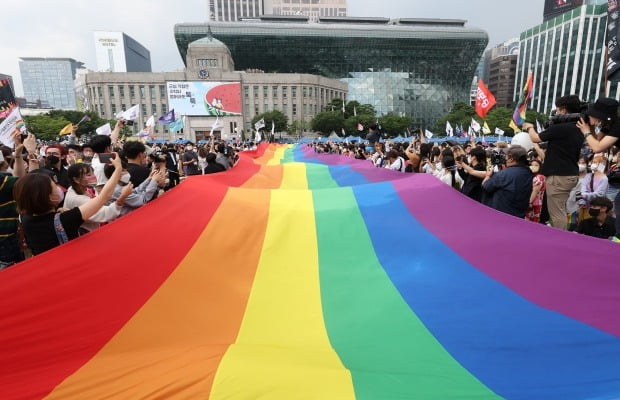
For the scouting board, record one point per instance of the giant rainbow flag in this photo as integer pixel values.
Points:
(303, 276)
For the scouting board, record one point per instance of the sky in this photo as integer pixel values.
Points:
(64, 28)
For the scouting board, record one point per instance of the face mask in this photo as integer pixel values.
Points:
(601, 168)
(597, 129)
(438, 165)
(534, 169)
(582, 168)
(53, 160)
(91, 181)
(594, 212)
(594, 166)
(125, 179)
(188, 149)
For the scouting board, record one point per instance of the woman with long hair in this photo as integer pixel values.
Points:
(37, 198)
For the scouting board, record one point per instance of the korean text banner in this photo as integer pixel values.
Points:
(297, 275)
(205, 98)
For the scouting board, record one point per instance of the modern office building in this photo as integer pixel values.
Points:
(567, 56)
(209, 88)
(313, 9)
(236, 10)
(119, 52)
(49, 81)
(10, 79)
(414, 67)
(501, 70)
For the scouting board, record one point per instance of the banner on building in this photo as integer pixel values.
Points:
(613, 59)
(553, 8)
(7, 99)
(205, 98)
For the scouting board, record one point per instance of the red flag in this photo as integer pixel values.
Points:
(484, 100)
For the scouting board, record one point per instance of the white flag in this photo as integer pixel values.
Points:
(130, 114)
(428, 133)
(354, 111)
(259, 124)
(12, 126)
(217, 124)
(257, 137)
(104, 130)
(499, 132)
(475, 125)
(449, 130)
(151, 121)
(273, 129)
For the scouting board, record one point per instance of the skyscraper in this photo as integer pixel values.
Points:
(235, 10)
(314, 9)
(566, 55)
(49, 80)
(119, 52)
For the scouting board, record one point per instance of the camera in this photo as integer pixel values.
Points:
(566, 118)
(127, 122)
(158, 157)
(498, 158)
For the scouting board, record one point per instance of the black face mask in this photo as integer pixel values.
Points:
(594, 212)
(52, 160)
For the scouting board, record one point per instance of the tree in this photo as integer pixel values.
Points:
(461, 114)
(327, 122)
(394, 124)
(350, 124)
(276, 116)
(47, 126)
(298, 127)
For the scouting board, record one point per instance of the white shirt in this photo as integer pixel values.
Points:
(98, 170)
(105, 213)
(397, 165)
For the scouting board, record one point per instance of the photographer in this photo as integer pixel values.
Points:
(135, 152)
(564, 143)
(509, 190)
(602, 120)
(473, 173)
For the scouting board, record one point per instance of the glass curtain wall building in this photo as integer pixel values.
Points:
(567, 56)
(49, 81)
(414, 67)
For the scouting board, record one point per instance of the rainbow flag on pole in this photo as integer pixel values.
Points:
(526, 95)
(298, 275)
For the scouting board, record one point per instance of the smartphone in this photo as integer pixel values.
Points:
(105, 158)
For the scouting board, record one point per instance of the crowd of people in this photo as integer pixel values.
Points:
(568, 179)
(53, 193)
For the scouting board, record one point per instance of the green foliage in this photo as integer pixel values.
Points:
(47, 126)
(298, 127)
(350, 124)
(394, 124)
(497, 117)
(278, 117)
(461, 114)
(327, 122)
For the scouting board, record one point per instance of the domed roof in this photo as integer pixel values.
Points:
(207, 41)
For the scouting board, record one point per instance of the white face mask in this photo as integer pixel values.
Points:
(125, 178)
(582, 167)
(601, 167)
(594, 167)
